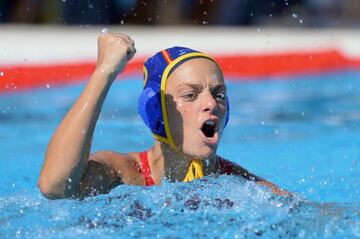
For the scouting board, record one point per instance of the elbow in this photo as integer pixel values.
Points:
(49, 190)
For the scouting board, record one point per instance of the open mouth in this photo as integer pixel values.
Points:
(208, 128)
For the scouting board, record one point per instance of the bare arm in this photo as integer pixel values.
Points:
(68, 151)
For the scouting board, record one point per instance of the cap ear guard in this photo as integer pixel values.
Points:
(149, 106)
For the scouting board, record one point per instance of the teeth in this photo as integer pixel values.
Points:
(210, 123)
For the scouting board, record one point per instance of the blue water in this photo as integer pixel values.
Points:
(302, 133)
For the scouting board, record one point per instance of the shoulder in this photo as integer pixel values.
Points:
(125, 166)
(109, 157)
(230, 168)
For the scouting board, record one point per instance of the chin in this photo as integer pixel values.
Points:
(203, 152)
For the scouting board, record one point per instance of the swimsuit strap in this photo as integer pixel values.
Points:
(145, 168)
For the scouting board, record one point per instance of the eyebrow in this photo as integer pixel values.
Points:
(194, 86)
(198, 87)
(220, 87)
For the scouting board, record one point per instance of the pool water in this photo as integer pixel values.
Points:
(300, 132)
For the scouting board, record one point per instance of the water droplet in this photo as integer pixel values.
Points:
(301, 21)
(47, 86)
(2, 73)
(251, 14)
(63, 0)
(294, 15)
(204, 22)
(258, 29)
(205, 13)
(91, 6)
(105, 30)
(149, 19)
(122, 22)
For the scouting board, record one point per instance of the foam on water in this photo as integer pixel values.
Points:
(224, 206)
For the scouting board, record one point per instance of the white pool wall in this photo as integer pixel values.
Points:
(31, 44)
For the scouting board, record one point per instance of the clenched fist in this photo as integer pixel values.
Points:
(114, 52)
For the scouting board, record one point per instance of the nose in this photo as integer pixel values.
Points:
(209, 103)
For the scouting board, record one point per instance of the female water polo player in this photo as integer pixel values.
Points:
(184, 103)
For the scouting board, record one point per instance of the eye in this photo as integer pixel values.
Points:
(220, 96)
(190, 96)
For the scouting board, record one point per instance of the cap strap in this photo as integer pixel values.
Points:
(195, 170)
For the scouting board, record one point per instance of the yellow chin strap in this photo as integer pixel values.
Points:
(195, 170)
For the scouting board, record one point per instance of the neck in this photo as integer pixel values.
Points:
(173, 165)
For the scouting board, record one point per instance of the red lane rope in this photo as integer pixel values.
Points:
(21, 77)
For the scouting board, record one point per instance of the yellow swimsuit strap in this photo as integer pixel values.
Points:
(195, 170)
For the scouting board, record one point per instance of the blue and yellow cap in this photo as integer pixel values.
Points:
(152, 104)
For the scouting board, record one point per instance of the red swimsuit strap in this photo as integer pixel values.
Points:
(145, 168)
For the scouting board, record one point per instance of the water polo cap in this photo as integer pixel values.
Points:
(152, 105)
